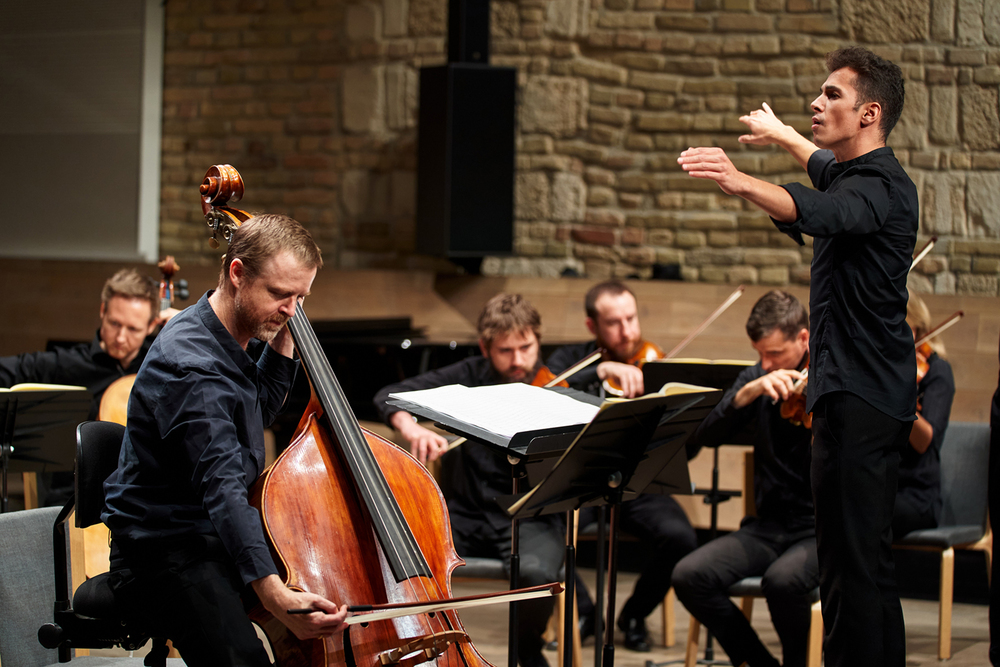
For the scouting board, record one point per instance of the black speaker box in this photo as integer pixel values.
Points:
(465, 160)
(469, 31)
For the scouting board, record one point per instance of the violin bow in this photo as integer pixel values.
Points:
(572, 370)
(708, 320)
(923, 252)
(951, 321)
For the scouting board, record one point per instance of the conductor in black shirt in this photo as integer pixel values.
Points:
(863, 220)
(509, 329)
(779, 543)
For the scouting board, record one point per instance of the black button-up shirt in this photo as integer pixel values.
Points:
(195, 439)
(85, 365)
(863, 219)
(782, 490)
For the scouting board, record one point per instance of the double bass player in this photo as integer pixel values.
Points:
(187, 545)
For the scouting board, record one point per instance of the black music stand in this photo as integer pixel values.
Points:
(39, 429)
(530, 454)
(613, 459)
(709, 373)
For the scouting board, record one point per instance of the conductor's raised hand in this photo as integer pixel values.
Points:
(765, 128)
(714, 164)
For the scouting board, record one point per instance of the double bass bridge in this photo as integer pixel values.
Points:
(426, 648)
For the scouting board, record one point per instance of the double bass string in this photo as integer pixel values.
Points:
(325, 384)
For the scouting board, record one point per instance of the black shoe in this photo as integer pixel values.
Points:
(532, 659)
(636, 637)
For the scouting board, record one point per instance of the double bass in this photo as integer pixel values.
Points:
(352, 517)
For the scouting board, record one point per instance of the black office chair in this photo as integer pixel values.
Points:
(91, 618)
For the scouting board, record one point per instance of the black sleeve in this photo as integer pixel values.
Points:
(566, 356)
(463, 372)
(937, 391)
(30, 367)
(724, 420)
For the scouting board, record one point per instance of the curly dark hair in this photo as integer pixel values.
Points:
(777, 310)
(876, 80)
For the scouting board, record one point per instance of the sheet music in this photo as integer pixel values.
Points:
(504, 409)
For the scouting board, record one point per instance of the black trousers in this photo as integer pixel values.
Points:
(659, 522)
(994, 491)
(908, 516)
(855, 462)
(789, 568)
(541, 549)
(189, 592)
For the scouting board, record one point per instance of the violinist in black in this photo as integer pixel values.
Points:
(918, 500)
(779, 543)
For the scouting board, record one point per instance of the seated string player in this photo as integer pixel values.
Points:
(656, 520)
(129, 313)
(918, 499)
(779, 544)
(509, 332)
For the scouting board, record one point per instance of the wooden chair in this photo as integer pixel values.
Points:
(750, 588)
(964, 522)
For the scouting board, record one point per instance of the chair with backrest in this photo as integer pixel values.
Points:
(90, 618)
(964, 522)
(750, 588)
(27, 591)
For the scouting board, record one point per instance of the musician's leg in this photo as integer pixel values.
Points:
(192, 596)
(787, 585)
(702, 580)
(855, 461)
(660, 523)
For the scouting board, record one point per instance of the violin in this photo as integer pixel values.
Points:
(114, 400)
(793, 408)
(544, 376)
(352, 517)
(648, 351)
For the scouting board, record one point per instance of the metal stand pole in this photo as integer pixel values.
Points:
(570, 601)
(515, 570)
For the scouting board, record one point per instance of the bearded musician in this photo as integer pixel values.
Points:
(657, 520)
(509, 331)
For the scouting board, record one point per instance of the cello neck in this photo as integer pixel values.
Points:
(398, 542)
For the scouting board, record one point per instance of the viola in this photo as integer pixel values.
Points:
(648, 351)
(544, 376)
(114, 400)
(352, 517)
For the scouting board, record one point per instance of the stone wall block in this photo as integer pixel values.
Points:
(600, 71)
(531, 196)
(943, 203)
(976, 284)
(991, 22)
(633, 236)
(505, 20)
(551, 105)
(402, 88)
(715, 256)
(601, 196)
(944, 283)
(986, 265)
(604, 216)
(983, 203)
(354, 192)
(741, 22)
(660, 237)
(601, 237)
(979, 117)
(969, 24)
(363, 22)
(402, 193)
(943, 122)
(662, 83)
(395, 17)
(708, 221)
(669, 256)
(943, 20)
(689, 239)
(773, 275)
(911, 130)
(887, 23)
(428, 17)
(742, 275)
(640, 256)
(723, 239)
(363, 99)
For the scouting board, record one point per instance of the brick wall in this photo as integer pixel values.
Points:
(315, 103)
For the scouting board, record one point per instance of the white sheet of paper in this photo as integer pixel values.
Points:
(504, 409)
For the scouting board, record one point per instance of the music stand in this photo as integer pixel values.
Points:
(39, 429)
(612, 460)
(530, 454)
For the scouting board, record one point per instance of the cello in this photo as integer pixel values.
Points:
(350, 516)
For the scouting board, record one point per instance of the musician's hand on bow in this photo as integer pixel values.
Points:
(327, 618)
(765, 128)
(425, 445)
(626, 376)
(776, 385)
